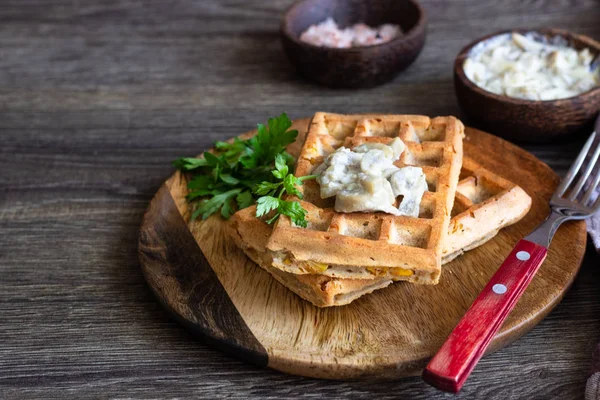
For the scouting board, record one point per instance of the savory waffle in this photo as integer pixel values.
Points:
(484, 203)
(352, 245)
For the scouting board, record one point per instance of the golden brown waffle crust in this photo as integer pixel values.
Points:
(484, 203)
(506, 204)
(389, 243)
(249, 234)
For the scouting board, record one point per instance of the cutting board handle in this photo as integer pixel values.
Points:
(453, 363)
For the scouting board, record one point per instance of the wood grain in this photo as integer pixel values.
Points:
(389, 334)
(184, 281)
(97, 98)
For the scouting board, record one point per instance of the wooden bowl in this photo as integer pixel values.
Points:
(527, 120)
(358, 66)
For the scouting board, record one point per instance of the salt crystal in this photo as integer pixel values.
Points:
(328, 34)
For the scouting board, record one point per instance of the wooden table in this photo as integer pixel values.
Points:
(96, 99)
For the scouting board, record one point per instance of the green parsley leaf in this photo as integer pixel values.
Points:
(199, 193)
(237, 145)
(266, 204)
(244, 199)
(289, 183)
(227, 208)
(216, 172)
(209, 207)
(281, 168)
(266, 188)
(200, 182)
(270, 141)
(231, 151)
(281, 164)
(227, 178)
(188, 164)
(222, 146)
(295, 211)
(278, 127)
(211, 159)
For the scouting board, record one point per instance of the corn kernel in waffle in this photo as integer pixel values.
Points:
(484, 203)
(347, 245)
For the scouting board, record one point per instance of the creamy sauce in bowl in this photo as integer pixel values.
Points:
(529, 67)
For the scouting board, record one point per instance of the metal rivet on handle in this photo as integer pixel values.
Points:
(523, 255)
(499, 288)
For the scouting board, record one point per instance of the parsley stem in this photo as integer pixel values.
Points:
(307, 177)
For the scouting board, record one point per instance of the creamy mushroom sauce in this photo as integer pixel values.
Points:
(525, 67)
(366, 179)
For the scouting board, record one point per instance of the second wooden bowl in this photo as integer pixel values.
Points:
(527, 120)
(354, 67)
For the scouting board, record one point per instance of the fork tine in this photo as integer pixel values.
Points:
(593, 187)
(585, 175)
(575, 167)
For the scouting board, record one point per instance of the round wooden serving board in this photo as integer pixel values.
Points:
(210, 285)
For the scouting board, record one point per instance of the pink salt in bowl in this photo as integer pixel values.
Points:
(354, 67)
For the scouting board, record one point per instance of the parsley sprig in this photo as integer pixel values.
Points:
(239, 172)
(272, 192)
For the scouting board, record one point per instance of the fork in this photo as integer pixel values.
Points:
(572, 200)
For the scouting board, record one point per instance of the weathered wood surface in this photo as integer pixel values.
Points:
(96, 98)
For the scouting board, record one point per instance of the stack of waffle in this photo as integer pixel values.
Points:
(342, 256)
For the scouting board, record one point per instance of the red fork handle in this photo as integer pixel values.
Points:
(452, 364)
